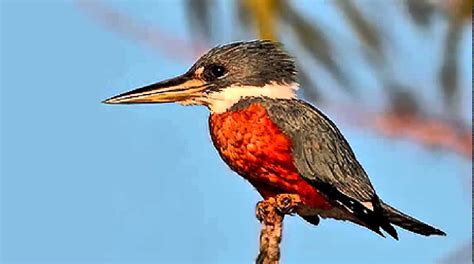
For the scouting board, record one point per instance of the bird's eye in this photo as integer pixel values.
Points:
(217, 70)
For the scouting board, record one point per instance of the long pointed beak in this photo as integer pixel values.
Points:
(173, 90)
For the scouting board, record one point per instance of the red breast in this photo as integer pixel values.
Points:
(253, 146)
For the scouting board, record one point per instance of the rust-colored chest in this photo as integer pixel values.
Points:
(253, 146)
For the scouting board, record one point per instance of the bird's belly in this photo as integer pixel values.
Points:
(253, 146)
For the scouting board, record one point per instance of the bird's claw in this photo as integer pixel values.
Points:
(264, 208)
(281, 204)
(287, 203)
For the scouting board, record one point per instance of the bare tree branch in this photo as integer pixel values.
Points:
(271, 213)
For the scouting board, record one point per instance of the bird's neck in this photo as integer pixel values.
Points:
(222, 101)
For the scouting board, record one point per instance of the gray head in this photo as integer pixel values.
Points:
(223, 76)
(252, 63)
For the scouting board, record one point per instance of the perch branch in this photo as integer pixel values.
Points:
(270, 213)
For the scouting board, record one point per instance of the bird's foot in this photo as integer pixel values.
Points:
(276, 207)
(287, 203)
(265, 210)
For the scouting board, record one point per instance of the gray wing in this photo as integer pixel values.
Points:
(326, 161)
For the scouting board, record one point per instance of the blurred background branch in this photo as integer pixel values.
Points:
(403, 117)
(402, 110)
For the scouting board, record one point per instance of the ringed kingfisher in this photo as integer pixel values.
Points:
(280, 144)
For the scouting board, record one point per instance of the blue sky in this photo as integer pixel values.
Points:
(85, 182)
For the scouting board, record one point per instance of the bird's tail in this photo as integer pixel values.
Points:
(407, 222)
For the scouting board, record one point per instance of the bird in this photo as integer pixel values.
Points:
(279, 143)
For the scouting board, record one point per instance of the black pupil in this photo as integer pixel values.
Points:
(217, 70)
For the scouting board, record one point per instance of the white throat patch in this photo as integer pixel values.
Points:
(219, 102)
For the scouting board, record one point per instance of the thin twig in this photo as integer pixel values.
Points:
(270, 235)
(271, 213)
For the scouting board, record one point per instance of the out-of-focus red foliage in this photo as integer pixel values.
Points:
(431, 133)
